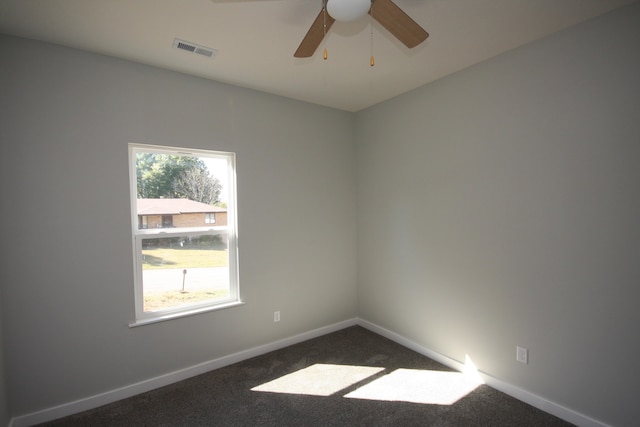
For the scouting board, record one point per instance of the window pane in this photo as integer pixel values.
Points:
(184, 270)
(184, 230)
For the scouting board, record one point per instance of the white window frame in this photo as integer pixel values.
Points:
(210, 218)
(142, 317)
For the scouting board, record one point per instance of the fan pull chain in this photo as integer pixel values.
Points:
(372, 61)
(324, 27)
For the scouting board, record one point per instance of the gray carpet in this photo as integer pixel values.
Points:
(224, 397)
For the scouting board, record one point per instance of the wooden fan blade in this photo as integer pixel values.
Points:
(314, 36)
(398, 23)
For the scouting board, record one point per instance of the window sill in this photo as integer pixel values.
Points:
(185, 313)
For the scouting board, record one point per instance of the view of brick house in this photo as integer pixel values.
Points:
(168, 213)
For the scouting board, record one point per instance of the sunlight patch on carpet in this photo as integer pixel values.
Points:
(417, 386)
(401, 385)
(319, 379)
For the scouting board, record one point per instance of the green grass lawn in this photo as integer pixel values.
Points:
(159, 258)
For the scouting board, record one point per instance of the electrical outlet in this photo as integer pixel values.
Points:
(522, 355)
(276, 316)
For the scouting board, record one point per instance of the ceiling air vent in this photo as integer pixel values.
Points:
(194, 48)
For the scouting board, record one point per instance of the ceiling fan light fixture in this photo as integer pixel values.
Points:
(348, 10)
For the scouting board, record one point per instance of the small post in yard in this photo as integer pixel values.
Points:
(184, 275)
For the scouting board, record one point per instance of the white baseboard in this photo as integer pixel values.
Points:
(182, 374)
(520, 394)
(166, 379)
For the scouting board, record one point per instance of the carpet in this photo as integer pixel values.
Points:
(352, 377)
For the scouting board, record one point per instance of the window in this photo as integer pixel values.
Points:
(182, 265)
(167, 221)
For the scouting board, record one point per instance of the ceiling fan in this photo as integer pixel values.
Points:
(386, 12)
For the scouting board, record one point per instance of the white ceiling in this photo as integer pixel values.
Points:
(256, 39)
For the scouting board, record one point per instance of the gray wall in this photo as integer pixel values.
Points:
(500, 206)
(4, 210)
(4, 410)
(68, 291)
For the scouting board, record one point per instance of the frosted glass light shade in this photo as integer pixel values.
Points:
(348, 10)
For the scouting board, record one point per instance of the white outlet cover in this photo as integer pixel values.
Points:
(522, 354)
